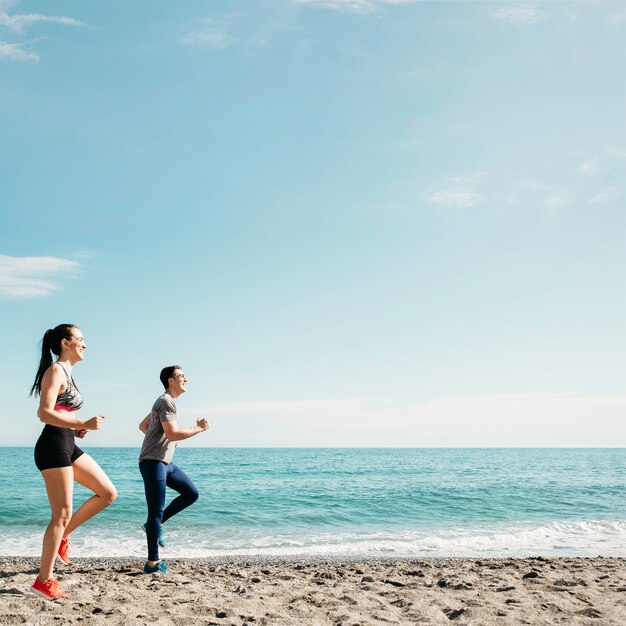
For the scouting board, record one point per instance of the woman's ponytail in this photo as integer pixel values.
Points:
(50, 344)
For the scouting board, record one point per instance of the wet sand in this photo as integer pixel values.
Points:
(260, 592)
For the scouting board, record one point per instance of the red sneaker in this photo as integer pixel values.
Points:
(64, 551)
(50, 589)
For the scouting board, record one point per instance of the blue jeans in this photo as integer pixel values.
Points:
(156, 476)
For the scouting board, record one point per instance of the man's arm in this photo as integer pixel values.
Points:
(143, 425)
(174, 433)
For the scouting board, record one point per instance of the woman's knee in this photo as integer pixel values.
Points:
(193, 494)
(62, 517)
(109, 495)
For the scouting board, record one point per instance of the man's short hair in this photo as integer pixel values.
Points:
(167, 373)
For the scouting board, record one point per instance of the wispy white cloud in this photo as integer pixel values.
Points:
(349, 6)
(19, 22)
(619, 18)
(558, 200)
(459, 192)
(533, 185)
(209, 35)
(603, 161)
(617, 153)
(531, 420)
(455, 198)
(354, 6)
(520, 14)
(589, 167)
(603, 196)
(15, 52)
(470, 179)
(23, 278)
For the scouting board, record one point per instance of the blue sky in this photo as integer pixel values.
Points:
(354, 223)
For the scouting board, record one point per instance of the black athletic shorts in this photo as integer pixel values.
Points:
(56, 448)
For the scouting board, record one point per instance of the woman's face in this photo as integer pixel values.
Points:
(75, 347)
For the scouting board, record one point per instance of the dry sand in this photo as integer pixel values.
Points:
(486, 592)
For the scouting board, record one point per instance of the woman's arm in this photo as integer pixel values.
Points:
(51, 384)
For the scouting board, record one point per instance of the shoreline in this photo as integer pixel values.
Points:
(262, 559)
(263, 591)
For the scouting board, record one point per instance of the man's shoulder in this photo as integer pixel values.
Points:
(165, 401)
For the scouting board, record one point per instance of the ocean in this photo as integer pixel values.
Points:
(347, 503)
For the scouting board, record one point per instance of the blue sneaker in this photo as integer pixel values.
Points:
(161, 542)
(153, 569)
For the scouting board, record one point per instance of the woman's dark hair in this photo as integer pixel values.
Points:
(51, 343)
(167, 373)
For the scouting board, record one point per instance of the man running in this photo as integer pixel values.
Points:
(161, 432)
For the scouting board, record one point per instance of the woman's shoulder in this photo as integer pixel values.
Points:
(54, 375)
(55, 370)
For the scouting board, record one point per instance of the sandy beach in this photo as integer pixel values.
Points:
(335, 592)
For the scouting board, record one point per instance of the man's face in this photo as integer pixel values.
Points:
(178, 382)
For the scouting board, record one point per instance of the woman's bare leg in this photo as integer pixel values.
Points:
(89, 474)
(59, 486)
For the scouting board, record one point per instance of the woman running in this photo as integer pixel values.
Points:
(58, 458)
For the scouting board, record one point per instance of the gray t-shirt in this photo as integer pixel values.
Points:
(156, 446)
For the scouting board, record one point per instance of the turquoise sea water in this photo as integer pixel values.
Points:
(319, 502)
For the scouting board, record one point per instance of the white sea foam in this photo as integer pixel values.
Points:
(582, 538)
